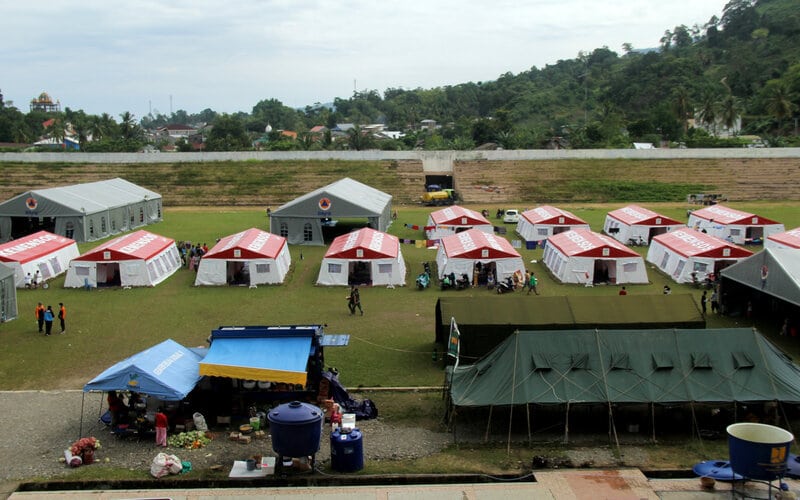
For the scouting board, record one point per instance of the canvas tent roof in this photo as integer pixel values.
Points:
(458, 216)
(274, 354)
(484, 322)
(691, 243)
(168, 371)
(139, 245)
(80, 199)
(725, 215)
(783, 279)
(547, 214)
(790, 239)
(636, 215)
(365, 243)
(32, 247)
(585, 243)
(477, 245)
(249, 244)
(354, 199)
(628, 366)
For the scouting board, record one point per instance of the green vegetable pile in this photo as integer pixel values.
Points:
(190, 440)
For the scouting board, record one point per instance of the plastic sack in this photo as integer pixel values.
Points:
(164, 464)
(200, 422)
(72, 460)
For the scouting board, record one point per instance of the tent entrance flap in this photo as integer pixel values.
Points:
(108, 274)
(359, 273)
(237, 272)
(605, 271)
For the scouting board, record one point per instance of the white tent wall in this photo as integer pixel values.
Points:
(49, 266)
(266, 271)
(624, 233)
(680, 267)
(539, 232)
(505, 266)
(734, 233)
(581, 270)
(131, 272)
(384, 272)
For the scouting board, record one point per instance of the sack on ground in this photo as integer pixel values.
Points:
(164, 464)
(200, 422)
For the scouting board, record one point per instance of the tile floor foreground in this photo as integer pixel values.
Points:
(622, 484)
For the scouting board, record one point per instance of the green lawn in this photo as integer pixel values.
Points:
(390, 345)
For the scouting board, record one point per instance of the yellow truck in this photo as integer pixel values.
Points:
(441, 197)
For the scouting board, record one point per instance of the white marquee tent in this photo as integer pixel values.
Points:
(251, 257)
(685, 251)
(459, 253)
(542, 222)
(363, 257)
(582, 256)
(733, 225)
(140, 258)
(455, 219)
(45, 252)
(635, 224)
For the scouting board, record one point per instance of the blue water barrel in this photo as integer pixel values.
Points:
(759, 451)
(347, 450)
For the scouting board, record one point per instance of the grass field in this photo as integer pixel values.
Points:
(390, 346)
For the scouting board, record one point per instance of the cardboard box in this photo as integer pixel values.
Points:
(245, 439)
(234, 436)
(268, 465)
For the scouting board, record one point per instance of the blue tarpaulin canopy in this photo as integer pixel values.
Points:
(275, 354)
(167, 371)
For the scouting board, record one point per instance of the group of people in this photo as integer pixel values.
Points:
(33, 281)
(45, 317)
(354, 300)
(191, 254)
(123, 413)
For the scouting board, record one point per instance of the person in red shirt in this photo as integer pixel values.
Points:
(62, 316)
(623, 291)
(161, 428)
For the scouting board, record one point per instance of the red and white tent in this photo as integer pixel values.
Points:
(582, 256)
(455, 219)
(459, 253)
(789, 239)
(733, 225)
(363, 257)
(251, 257)
(541, 223)
(140, 258)
(685, 251)
(45, 252)
(637, 225)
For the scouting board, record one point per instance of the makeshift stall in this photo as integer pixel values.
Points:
(165, 372)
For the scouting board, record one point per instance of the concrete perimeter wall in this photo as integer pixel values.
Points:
(432, 161)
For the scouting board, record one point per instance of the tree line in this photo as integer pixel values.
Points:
(742, 67)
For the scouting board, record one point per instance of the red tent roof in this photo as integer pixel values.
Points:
(249, 244)
(585, 243)
(551, 215)
(789, 238)
(691, 243)
(458, 216)
(139, 245)
(365, 243)
(477, 244)
(32, 247)
(725, 215)
(634, 215)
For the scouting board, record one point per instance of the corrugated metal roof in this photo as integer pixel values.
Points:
(97, 196)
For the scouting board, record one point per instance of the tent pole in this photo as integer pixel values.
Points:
(566, 426)
(613, 428)
(653, 420)
(508, 438)
(513, 389)
(786, 419)
(488, 424)
(528, 415)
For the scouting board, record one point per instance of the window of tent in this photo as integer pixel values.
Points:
(284, 230)
(334, 268)
(308, 234)
(262, 268)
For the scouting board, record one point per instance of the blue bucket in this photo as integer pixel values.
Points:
(759, 451)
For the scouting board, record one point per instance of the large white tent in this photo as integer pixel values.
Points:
(582, 256)
(83, 212)
(45, 252)
(455, 219)
(474, 251)
(251, 257)
(789, 239)
(637, 225)
(363, 257)
(733, 225)
(140, 258)
(685, 251)
(8, 294)
(542, 222)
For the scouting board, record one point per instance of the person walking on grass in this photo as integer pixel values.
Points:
(532, 282)
(354, 300)
(62, 316)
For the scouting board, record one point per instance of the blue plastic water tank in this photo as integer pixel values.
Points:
(347, 451)
(759, 451)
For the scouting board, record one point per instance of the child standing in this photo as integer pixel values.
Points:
(161, 428)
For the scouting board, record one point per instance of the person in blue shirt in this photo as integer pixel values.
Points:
(48, 320)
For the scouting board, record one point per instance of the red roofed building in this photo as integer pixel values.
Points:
(586, 257)
(733, 225)
(637, 225)
(363, 257)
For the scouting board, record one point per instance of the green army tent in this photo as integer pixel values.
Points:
(614, 368)
(484, 322)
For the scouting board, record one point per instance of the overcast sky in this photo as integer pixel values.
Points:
(161, 56)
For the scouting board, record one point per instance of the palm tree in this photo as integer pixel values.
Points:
(57, 130)
(780, 102)
(682, 105)
(708, 109)
(127, 126)
(730, 109)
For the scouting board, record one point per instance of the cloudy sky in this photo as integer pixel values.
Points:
(148, 55)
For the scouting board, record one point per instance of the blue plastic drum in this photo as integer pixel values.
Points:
(759, 451)
(347, 451)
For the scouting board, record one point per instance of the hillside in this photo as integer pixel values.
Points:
(272, 183)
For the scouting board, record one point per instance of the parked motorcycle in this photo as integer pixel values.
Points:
(505, 286)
